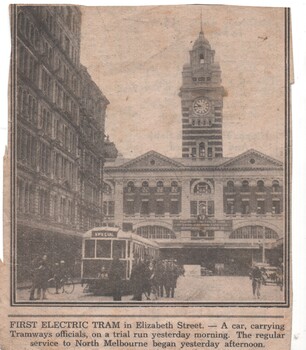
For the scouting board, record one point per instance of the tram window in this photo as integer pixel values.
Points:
(119, 249)
(89, 248)
(103, 248)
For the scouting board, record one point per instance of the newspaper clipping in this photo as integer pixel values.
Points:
(147, 179)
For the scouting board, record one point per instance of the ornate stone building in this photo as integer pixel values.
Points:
(202, 208)
(60, 137)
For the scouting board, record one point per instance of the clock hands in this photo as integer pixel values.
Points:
(201, 106)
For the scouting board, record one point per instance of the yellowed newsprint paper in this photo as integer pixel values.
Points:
(147, 179)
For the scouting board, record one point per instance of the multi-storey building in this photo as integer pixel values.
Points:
(60, 137)
(203, 207)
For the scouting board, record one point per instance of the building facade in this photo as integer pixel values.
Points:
(203, 208)
(60, 137)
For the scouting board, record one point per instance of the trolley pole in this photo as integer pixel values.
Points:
(263, 244)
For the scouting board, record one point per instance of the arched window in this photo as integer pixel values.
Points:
(160, 186)
(202, 150)
(230, 186)
(174, 187)
(260, 186)
(275, 186)
(253, 232)
(106, 188)
(201, 58)
(145, 186)
(131, 187)
(201, 188)
(245, 186)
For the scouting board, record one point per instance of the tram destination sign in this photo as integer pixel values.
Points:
(103, 234)
(212, 224)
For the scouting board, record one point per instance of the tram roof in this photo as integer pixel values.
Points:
(119, 233)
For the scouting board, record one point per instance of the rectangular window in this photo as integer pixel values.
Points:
(174, 207)
(209, 152)
(89, 249)
(245, 207)
(144, 207)
(105, 208)
(111, 208)
(119, 249)
(193, 152)
(103, 248)
(261, 207)
(160, 207)
(130, 207)
(230, 209)
(210, 208)
(276, 207)
(193, 208)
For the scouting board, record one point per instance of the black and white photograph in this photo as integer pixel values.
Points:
(150, 155)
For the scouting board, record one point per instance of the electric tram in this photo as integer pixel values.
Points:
(101, 245)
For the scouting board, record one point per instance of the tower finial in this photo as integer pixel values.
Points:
(201, 24)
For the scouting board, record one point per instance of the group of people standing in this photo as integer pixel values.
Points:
(40, 275)
(151, 279)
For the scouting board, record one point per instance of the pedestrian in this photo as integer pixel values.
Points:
(256, 277)
(158, 277)
(59, 276)
(42, 277)
(56, 276)
(149, 280)
(137, 279)
(34, 277)
(115, 276)
(153, 280)
(172, 274)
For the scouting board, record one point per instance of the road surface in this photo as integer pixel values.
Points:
(189, 288)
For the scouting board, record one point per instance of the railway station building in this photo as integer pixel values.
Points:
(203, 208)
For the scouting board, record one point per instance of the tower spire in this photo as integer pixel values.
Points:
(201, 24)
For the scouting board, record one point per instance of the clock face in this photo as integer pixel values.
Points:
(201, 106)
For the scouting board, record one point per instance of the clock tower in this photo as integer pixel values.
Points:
(202, 103)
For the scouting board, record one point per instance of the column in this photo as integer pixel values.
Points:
(185, 214)
(219, 205)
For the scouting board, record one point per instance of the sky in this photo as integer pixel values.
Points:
(136, 55)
